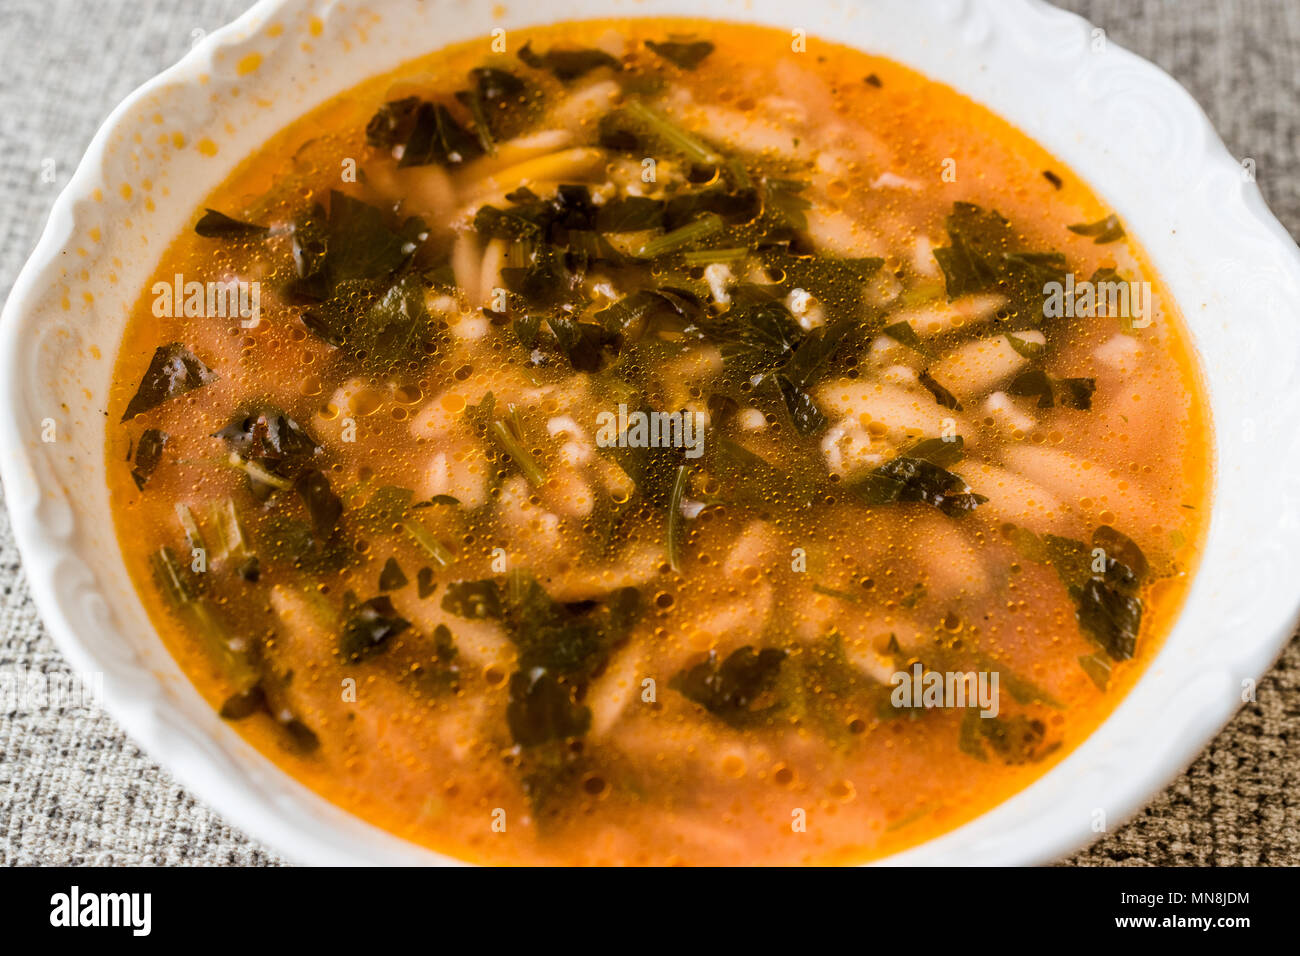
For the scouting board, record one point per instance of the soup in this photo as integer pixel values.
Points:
(658, 441)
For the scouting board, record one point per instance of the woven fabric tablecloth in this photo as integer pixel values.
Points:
(75, 790)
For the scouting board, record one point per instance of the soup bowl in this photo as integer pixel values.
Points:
(1145, 148)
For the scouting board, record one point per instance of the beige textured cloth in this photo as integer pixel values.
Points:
(74, 789)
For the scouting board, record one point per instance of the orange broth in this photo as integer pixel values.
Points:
(596, 653)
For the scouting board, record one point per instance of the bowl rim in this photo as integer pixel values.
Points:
(43, 549)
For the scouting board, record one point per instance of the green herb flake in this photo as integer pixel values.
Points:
(907, 478)
(369, 628)
(568, 65)
(905, 335)
(392, 578)
(147, 455)
(683, 52)
(735, 689)
(985, 254)
(173, 371)
(1098, 669)
(424, 582)
(1102, 231)
(217, 225)
(675, 519)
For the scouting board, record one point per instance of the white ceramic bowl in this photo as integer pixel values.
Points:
(1116, 120)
